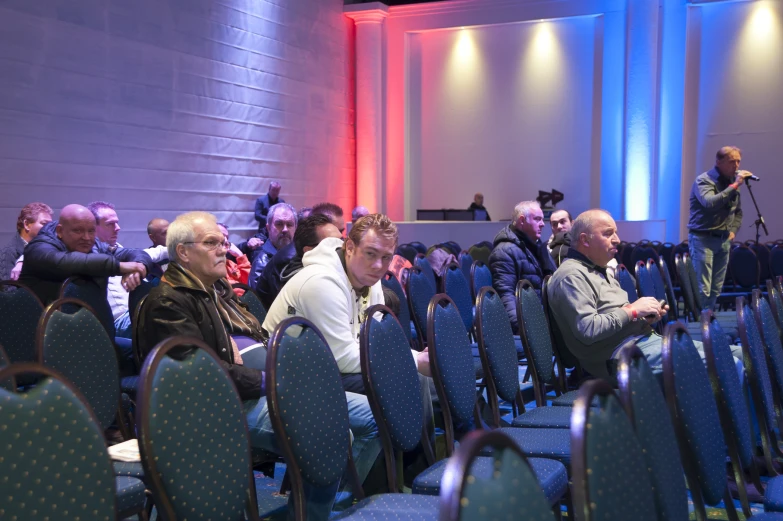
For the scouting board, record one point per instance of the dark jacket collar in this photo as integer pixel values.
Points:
(577, 256)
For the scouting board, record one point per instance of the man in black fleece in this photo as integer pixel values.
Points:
(68, 247)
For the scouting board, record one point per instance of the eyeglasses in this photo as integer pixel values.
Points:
(210, 244)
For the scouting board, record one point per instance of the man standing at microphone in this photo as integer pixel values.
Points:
(716, 215)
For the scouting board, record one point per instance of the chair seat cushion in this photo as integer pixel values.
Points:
(773, 495)
(393, 507)
(132, 469)
(565, 399)
(540, 443)
(544, 417)
(551, 475)
(130, 494)
(768, 516)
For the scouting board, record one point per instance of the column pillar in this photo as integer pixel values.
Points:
(370, 38)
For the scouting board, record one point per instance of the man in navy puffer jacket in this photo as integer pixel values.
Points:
(518, 254)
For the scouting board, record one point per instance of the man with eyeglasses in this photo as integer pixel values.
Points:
(280, 225)
(195, 300)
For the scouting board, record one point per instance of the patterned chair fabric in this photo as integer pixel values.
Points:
(480, 276)
(466, 263)
(626, 256)
(657, 279)
(455, 285)
(420, 291)
(627, 282)
(663, 271)
(610, 476)
(498, 341)
(77, 346)
(697, 421)
(391, 378)
(644, 282)
(756, 362)
(535, 332)
(772, 340)
(641, 394)
(20, 311)
(776, 303)
(424, 265)
(86, 290)
(686, 259)
(29, 443)
(404, 316)
(193, 437)
(510, 491)
(691, 308)
(254, 305)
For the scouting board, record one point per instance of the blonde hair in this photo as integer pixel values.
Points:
(383, 226)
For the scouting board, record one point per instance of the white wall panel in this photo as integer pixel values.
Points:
(167, 106)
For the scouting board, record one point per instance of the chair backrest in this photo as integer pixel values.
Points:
(250, 299)
(610, 477)
(534, 332)
(679, 249)
(455, 285)
(771, 333)
(727, 389)
(138, 294)
(419, 291)
(408, 252)
(627, 282)
(665, 253)
(92, 294)
(424, 265)
(404, 316)
(645, 286)
(645, 405)
(563, 357)
(643, 252)
(663, 271)
(480, 277)
(512, 492)
(775, 302)
(451, 362)
(764, 256)
(9, 383)
(776, 261)
(756, 367)
(20, 311)
(744, 267)
(308, 407)
(392, 384)
(76, 345)
(691, 309)
(626, 256)
(466, 263)
(657, 279)
(696, 420)
(480, 252)
(193, 436)
(68, 466)
(496, 345)
(419, 247)
(453, 247)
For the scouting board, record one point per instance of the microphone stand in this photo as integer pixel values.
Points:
(759, 223)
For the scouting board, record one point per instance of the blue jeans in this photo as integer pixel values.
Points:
(366, 447)
(122, 326)
(710, 257)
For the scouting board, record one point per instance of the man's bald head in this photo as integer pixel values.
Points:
(594, 235)
(157, 229)
(76, 228)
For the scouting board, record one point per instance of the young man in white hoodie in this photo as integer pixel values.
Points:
(337, 284)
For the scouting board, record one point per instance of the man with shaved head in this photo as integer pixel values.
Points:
(156, 229)
(591, 311)
(68, 247)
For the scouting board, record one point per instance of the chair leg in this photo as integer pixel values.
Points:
(557, 512)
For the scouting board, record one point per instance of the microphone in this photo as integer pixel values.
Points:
(751, 177)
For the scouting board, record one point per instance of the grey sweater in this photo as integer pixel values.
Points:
(587, 306)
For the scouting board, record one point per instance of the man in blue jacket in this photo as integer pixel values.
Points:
(68, 247)
(518, 254)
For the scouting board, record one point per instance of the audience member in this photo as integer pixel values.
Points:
(337, 284)
(519, 254)
(156, 229)
(288, 260)
(333, 212)
(478, 204)
(237, 263)
(195, 300)
(265, 203)
(715, 218)
(591, 310)
(68, 247)
(31, 219)
(560, 240)
(107, 230)
(358, 213)
(303, 213)
(281, 225)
